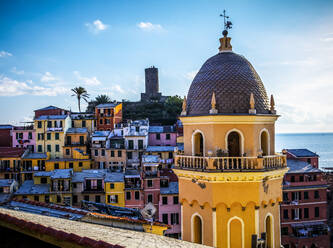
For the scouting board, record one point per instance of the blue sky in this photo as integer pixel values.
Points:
(49, 47)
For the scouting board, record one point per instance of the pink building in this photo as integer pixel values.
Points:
(24, 137)
(134, 197)
(169, 207)
(162, 136)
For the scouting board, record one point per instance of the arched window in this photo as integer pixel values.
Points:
(264, 142)
(197, 229)
(269, 231)
(235, 233)
(198, 144)
(234, 144)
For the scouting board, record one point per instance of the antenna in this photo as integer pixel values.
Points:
(148, 211)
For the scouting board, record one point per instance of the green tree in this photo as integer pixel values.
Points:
(80, 93)
(102, 99)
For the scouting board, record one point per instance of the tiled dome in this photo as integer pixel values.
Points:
(233, 79)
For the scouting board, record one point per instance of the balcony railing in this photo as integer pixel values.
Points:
(54, 129)
(230, 163)
(76, 143)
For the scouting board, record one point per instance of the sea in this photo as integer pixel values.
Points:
(320, 143)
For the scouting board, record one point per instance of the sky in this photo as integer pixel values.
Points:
(49, 47)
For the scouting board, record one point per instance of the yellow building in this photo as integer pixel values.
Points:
(50, 133)
(75, 138)
(10, 162)
(114, 189)
(83, 120)
(229, 176)
(68, 163)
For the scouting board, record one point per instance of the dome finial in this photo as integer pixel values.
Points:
(213, 110)
(252, 109)
(225, 44)
(273, 111)
(184, 107)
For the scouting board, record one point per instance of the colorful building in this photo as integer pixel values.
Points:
(32, 162)
(6, 135)
(107, 115)
(7, 188)
(229, 176)
(114, 189)
(10, 162)
(134, 197)
(162, 136)
(68, 163)
(50, 133)
(166, 154)
(304, 210)
(75, 138)
(24, 137)
(84, 120)
(50, 110)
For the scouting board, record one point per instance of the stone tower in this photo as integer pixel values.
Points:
(151, 81)
(229, 176)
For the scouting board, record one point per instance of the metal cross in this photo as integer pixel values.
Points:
(227, 24)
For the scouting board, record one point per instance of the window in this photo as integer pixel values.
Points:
(86, 197)
(129, 155)
(284, 231)
(140, 144)
(316, 194)
(309, 160)
(81, 140)
(39, 124)
(74, 185)
(30, 135)
(168, 136)
(175, 219)
(128, 195)
(74, 199)
(111, 185)
(164, 200)
(58, 198)
(48, 136)
(112, 154)
(68, 152)
(120, 154)
(57, 148)
(149, 183)
(83, 123)
(43, 180)
(47, 198)
(292, 179)
(285, 214)
(36, 198)
(170, 155)
(73, 123)
(98, 198)
(96, 153)
(306, 195)
(101, 121)
(165, 218)
(158, 136)
(56, 166)
(80, 164)
(316, 211)
(306, 213)
(71, 165)
(175, 200)
(49, 148)
(49, 124)
(130, 144)
(285, 196)
(295, 214)
(56, 136)
(137, 129)
(150, 198)
(113, 198)
(301, 178)
(137, 195)
(103, 152)
(40, 148)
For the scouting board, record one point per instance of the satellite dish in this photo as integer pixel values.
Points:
(148, 211)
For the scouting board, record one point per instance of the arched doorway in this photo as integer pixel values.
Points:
(197, 230)
(198, 144)
(264, 143)
(234, 142)
(269, 231)
(235, 234)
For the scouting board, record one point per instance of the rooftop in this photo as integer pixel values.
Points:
(35, 155)
(114, 177)
(81, 176)
(172, 189)
(302, 153)
(101, 133)
(11, 152)
(48, 108)
(51, 117)
(161, 129)
(107, 105)
(160, 149)
(150, 159)
(77, 130)
(296, 166)
(6, 182)
(55, 174)
(6, 126)
(82, 116)
(29, 188)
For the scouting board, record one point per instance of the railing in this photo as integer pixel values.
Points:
(230, 163)
(52, 129)
(76, 143)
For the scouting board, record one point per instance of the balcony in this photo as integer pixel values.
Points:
(76, 143)
(54, 129)
(93, 191)
(219, 164)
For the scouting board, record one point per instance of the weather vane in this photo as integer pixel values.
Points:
(227, 24)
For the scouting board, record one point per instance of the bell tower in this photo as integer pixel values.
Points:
(230, 177)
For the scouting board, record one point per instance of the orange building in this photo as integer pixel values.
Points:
(229, 176)
(107, 115)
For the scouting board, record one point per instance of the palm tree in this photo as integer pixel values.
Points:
(102, 99)
(80, 92)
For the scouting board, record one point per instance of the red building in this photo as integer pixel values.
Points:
(133, 189)
(107, 115)
(6, 135)
(304, 207)
(50, 110)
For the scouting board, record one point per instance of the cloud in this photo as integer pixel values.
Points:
(93, 81)
(5, 54)
(12, 87)
(48, 77)
(148, 26)
(18, 72)
(117, 88)
(96, 26)
(190, 75)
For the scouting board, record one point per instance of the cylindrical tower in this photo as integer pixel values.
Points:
(151, 81)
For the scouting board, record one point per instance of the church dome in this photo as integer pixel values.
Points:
(232, 78)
